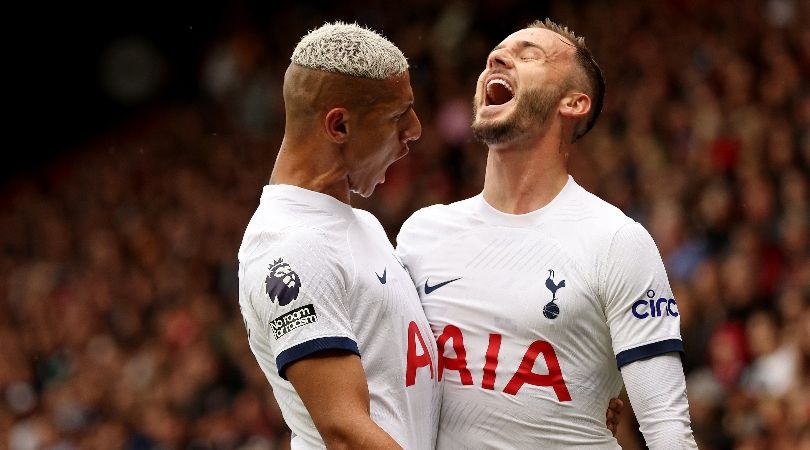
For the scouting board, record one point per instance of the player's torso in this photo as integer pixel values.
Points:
(381, 305)
(396, 345)
(527, 358)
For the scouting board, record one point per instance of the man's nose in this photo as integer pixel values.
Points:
(414, 130)
(499, 58)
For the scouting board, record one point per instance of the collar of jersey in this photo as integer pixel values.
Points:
(495, 217)
(307, 199)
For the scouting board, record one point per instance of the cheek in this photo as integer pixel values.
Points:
(388, 153)
(392, 153)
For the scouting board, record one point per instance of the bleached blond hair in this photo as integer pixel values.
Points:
(349, 49)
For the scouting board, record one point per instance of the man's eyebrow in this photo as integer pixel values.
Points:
(405, 108)
(522, 45)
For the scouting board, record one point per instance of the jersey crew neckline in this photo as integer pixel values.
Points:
(309, 198)
(494, 216)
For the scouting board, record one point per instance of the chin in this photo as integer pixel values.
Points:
(363, 192)
(480, 123)
(494, 132)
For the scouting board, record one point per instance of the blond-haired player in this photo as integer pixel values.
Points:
(333, 318)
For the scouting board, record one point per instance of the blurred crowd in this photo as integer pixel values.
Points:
(119, 325)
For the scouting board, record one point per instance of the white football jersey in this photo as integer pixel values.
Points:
(534, 314)
(316, 274)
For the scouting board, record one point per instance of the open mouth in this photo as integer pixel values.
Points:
(498, 92)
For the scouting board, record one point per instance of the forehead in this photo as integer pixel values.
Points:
(396, 89)
(540, 37)
(400, 85)
(376, 94)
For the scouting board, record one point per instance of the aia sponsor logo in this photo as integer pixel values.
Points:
(522, 372)
(651, 307)
(417, 355)
(282, 284)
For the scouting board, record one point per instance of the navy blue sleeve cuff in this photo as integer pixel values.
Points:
(649, 350)
(307, 348)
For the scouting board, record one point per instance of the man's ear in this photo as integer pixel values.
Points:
(575, 105)
(336, 125)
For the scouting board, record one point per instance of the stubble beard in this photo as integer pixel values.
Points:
(534, 107)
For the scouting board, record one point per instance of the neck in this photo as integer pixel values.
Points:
(315, 169)
(522, 179)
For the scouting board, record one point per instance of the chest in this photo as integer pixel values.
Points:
(382, 290)
(520, 284)
(513, 309)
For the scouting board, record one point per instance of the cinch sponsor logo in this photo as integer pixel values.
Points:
(298, 317)
(650, 307)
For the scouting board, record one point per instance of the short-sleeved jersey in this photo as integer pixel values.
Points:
(534, 314)
(316, 274)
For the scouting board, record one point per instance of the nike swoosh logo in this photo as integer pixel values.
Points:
(429, 288)
(382, 278)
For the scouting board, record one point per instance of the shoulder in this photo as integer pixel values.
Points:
(586, 217)
(370, 220)
(586, 227)
(436, 221)
(288, 259)
(282, 223)
(306, 251)
(292, 239)
(445, 216)
(599, 211)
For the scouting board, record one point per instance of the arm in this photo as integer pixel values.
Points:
(645, 328)
(657, 391)
(332, 385)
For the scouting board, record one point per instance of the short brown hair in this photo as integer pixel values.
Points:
(593, 74)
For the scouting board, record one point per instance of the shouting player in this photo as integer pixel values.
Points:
(319, 285)
(543, 298)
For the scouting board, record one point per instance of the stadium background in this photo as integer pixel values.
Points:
(141, 133)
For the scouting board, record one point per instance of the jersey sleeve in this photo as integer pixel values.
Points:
(299, 286)
(657, 391)
(641, 312)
